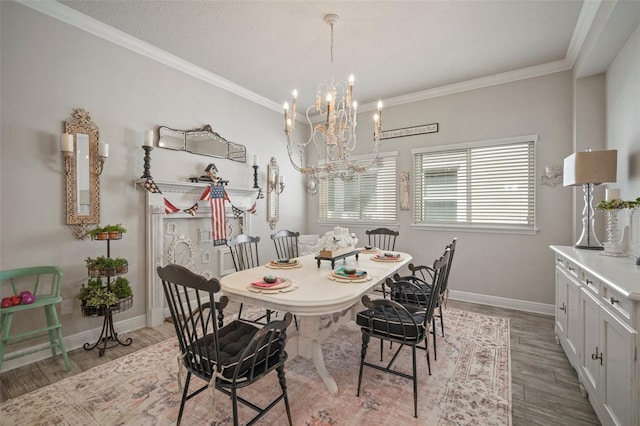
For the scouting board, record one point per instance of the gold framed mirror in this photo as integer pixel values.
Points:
(83, 167)
(273, 193)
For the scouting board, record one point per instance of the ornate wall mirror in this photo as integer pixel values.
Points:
(273, 193)
(202, 141)
(83, 167)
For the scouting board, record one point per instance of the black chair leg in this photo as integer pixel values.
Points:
(283, 385)
(240, 312)
(184, 397)
(415, 384)
(441, 319)
(234, 403)
(363, 354)
(433, 332)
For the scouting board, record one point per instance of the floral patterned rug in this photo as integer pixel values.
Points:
(470, 385)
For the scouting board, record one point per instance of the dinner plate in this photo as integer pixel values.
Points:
(383, 258)
(279, 284)
(292, 263)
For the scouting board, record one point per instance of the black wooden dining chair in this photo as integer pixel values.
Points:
(403, 322)
(244, 253)
(286, 243)
(383, 239)
(227, 357)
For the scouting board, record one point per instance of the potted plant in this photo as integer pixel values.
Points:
(115, 231)
(95, 297)
(122, 265)
(121, 288)
(103, 266)
(98, 233)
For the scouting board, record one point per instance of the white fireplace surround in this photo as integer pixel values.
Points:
(182, 195)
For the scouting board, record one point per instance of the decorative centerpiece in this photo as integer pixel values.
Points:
(337, 242)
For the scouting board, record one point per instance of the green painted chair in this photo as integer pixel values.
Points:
(44, 283)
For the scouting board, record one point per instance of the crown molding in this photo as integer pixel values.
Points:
(93, 26)
(99, 29)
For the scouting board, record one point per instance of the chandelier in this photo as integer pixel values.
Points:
(333, 134)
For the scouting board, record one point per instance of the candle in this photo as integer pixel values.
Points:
(281, 179)
(103, 149)
(66, 142)
(256, 160)
(148, 138)
(612, 194)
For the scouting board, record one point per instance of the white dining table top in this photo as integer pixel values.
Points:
(315, 293)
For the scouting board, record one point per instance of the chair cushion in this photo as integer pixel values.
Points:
(414, 297)
(384, 321)
(233, 338)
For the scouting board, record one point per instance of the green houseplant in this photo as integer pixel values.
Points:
(95, 297)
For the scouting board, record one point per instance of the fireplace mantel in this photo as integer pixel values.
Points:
(182, 195)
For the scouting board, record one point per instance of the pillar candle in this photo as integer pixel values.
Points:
(282, 179)
(148, 138)
(612, 194)
(66, 142)
(256, 160)
(103, 149)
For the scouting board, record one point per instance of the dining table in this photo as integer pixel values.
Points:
(322, 298)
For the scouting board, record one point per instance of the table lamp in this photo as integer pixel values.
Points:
(589, 168)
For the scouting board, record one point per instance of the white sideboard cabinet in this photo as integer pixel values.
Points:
(597, 323)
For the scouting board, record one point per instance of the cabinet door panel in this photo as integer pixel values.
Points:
(574, 329)
(561, 304)
(590, 367)
(618, 345)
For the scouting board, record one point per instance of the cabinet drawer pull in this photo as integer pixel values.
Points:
(596, 357)
(571, 269)
(588, 281)
(614, 300)
(563, 307)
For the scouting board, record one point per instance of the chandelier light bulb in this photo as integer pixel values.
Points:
(295, 94)
(351, 80)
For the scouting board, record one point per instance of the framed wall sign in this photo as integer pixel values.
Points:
(409, 131)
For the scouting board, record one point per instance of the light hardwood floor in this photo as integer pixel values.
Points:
(545, 389)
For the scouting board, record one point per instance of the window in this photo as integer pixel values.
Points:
(368, 196)
(483, 184)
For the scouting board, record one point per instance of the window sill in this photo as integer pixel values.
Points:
(358, 223)
(477, 229)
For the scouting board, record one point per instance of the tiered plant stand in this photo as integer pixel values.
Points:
(108, 336)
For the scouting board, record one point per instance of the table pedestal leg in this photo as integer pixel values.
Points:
(307, 343)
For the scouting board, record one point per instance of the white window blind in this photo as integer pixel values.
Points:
(370, 195)
(489, 184)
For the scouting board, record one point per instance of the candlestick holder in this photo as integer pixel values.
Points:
(255, 181)
(147, 161)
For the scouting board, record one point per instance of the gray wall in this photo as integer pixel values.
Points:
(506, 265)
(49, 69)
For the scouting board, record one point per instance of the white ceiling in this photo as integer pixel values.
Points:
(394, 48)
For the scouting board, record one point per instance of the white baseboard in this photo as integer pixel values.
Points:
(73, 342)
(503, 302)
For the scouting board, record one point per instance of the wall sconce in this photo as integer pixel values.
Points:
(588, 169)
(147, 145)
(256, 161)
(66, 146)
(276, 183)
(103, 154)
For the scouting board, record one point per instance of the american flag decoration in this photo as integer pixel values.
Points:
(192, 210)
(218, 217)
(169, 208)
(151, 186)
(206, 194)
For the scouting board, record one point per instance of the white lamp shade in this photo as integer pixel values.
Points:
(590, 167)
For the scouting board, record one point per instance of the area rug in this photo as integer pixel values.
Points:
(470, 385)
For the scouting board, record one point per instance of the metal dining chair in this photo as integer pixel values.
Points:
(401, 321)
